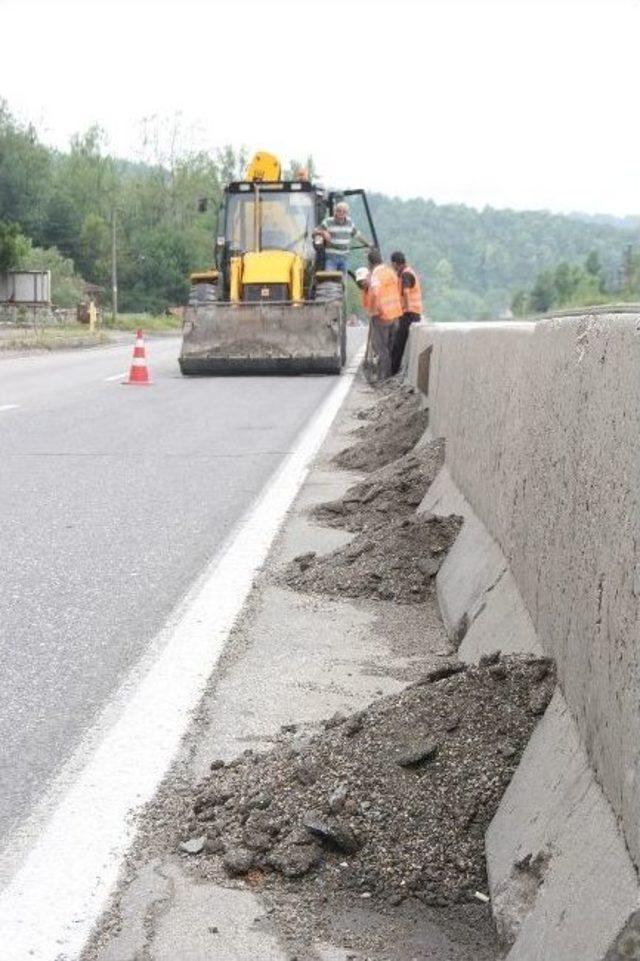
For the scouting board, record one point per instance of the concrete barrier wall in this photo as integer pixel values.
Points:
(542, 427)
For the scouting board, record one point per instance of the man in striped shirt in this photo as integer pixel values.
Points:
(338, 232)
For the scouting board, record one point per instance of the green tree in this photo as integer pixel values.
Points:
(231, 163)
(543, 293)
(295, 166)
(443, 276)
(592, 264)
(569, 285)
(25, 174)
(13, 245)
(520, 304)
(629, 272)
(85, 189)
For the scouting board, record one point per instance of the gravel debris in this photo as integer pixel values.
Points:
(392, 399)
(238, 861)
(397, 562)
(333, 832)
(294, 860)
(417, 750)
(194, 845)
(394, 425)
(439, 673)
(397, 488)
(337, 798)
(398, 810)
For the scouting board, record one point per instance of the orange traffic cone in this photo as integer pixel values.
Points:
(138, 372)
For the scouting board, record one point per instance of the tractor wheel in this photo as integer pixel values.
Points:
(202, 294)
(329, 290)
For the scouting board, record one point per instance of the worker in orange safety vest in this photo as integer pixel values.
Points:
(363, 277)
(411, 297)
(384, 306)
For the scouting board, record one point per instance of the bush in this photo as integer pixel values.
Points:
(67, 288)
(13, 245)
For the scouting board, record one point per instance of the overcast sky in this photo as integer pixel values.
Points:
(503, 102)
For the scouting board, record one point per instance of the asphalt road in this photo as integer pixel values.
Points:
(113, 500)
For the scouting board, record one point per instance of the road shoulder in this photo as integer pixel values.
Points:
(292, 660)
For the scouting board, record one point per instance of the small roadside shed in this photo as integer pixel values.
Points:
(25, 287)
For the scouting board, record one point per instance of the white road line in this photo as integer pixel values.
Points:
(116, 376)
(8, 406)
(50, 906)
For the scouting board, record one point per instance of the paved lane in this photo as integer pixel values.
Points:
(32, 378)
(113, 500)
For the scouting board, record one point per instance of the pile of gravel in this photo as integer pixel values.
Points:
(390, 803)
(394, 562)
(396, 488)
(394, 425)
(393, 398)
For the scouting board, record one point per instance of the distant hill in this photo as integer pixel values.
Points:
(473, 261)
(626, 223)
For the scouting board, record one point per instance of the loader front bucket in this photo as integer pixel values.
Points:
(246, 338)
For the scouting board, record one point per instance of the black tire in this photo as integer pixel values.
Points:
(329, 290)
(202, 294)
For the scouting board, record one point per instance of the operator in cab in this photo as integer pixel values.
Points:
(338, 232)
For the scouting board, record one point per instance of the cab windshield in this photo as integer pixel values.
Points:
(285, 221)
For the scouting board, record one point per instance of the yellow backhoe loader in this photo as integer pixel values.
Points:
(268, 306)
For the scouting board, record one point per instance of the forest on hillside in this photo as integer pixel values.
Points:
(57, 210)
(479, 264)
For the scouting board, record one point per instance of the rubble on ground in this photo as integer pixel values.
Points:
(397, 488)
(393, 426)
(396, 562)
(390, 803)
(381, 393)
(387, 807)
(391, 397)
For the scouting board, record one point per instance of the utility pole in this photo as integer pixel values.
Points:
(114, 268)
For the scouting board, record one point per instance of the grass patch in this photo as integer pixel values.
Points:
(150, 323)
(53, 338)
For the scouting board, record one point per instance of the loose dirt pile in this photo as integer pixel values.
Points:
(397, 488)
(392, 398)
(394, 425)
(396, 562)
(392, 802)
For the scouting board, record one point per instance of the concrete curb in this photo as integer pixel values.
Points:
(479, 600)
(562, 882)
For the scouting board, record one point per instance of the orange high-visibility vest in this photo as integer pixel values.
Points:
(385, 293)
(367, 301)
(413, 294)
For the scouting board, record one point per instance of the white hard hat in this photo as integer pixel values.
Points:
(361, 274)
